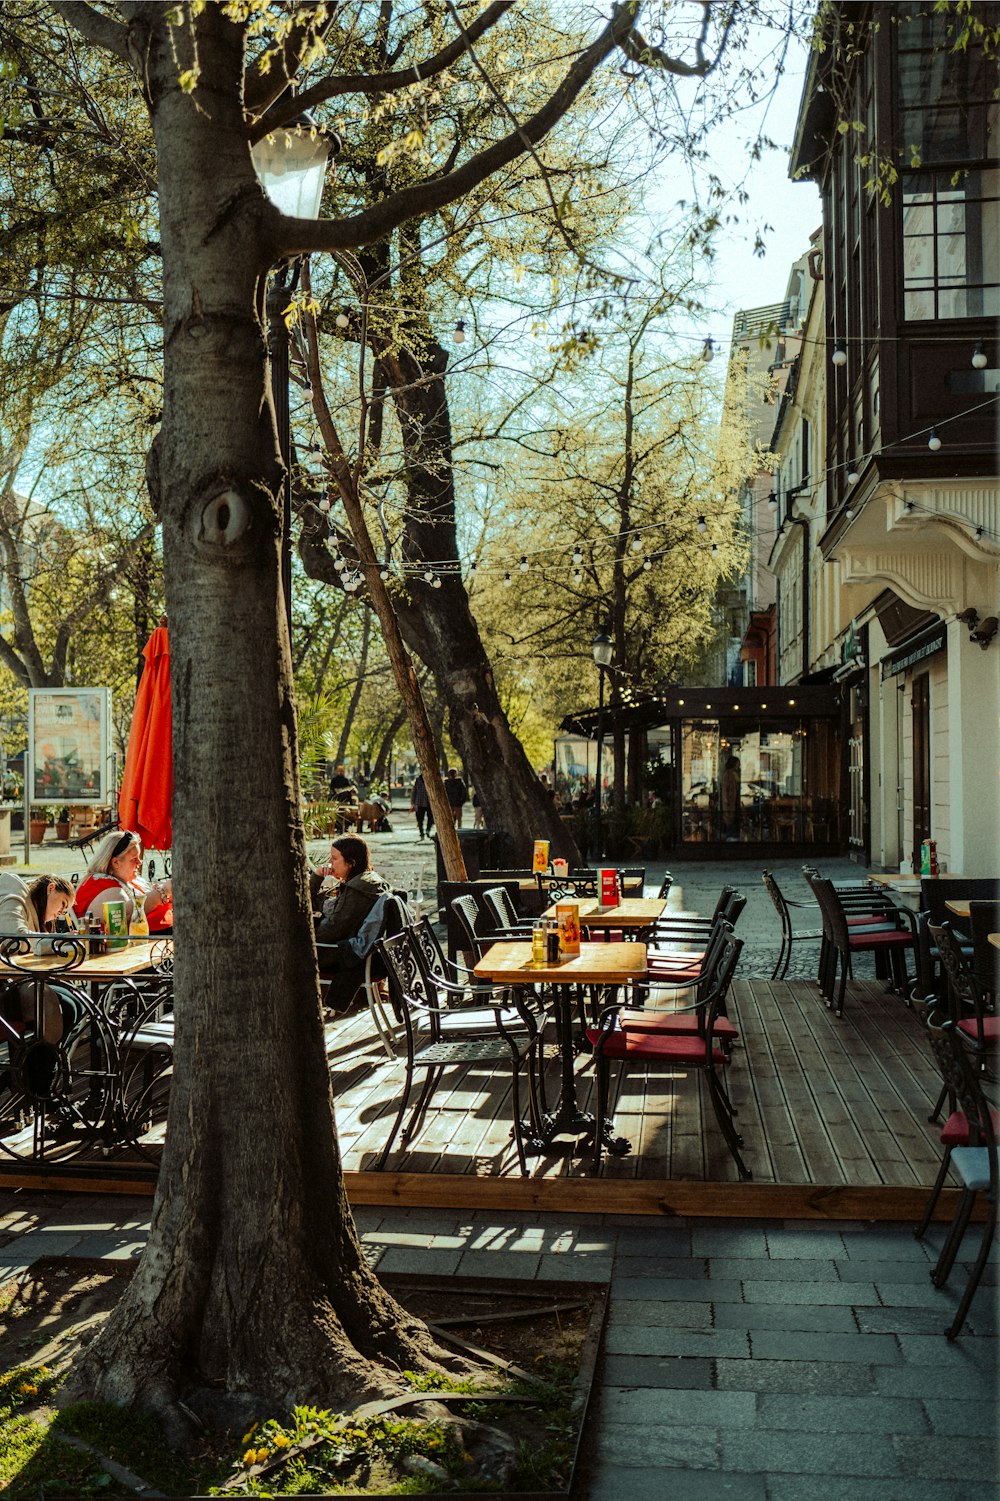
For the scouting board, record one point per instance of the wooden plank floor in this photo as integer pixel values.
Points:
(833, 1112)
(822, 1100)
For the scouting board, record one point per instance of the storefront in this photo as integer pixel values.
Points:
(743, 771)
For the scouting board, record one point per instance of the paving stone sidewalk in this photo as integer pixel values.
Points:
(760, 1360)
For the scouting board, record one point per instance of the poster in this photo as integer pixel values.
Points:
(68, 745)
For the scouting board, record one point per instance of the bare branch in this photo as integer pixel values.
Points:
(286, 236)
(100, 30)
(381, 83)
(638, 50)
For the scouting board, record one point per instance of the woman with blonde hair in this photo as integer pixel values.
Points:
(113, 875)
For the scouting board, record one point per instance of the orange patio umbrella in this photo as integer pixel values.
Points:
(145, 803)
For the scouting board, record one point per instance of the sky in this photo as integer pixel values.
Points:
(792, 209)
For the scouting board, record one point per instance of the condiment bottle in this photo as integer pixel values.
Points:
(538, 948)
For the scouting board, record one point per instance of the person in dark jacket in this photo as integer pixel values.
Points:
(358, 889)
(420, 804)
(343, 914)
(456, 793)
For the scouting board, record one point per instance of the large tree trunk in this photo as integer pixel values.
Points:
(253, 1280)
(440, 626)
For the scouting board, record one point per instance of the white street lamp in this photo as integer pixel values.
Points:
(291, 163)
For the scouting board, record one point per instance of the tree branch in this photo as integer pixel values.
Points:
(265, 85)
(638, 50)
(381, 83)
(286, 236)
(100, 30)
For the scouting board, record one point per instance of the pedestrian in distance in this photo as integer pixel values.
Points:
(457, 794)
(420, 805)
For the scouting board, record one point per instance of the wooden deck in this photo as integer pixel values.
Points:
(833, 1114)
(821, 1100)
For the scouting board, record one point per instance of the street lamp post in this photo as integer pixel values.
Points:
(291, 164)
(602, 648)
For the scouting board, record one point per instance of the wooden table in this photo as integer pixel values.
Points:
(993, 938)
(509, 963)
(633, 912)
(958, 909)
(118, 965)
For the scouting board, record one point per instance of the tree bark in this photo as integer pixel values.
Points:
(253, 1281)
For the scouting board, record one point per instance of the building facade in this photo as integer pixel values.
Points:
(905, 523)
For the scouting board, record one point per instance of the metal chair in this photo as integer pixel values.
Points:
(873, 925)
(700, 1051)
(783, 905)
(975, 1161)
(431, 1049)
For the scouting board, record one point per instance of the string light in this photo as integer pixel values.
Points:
(340, 563)
(459, 334)
(473, 565)
(646, 565)
(383, 574)
(636, 543)
(979, 534)
(506, 580)
(849, 513)
(577, 576)
(772, 501)
(839, 356)
(933, 441)
(577, 556)
(852, 472)
(708, 351)
(702, 524)
(342, 320)
(523, 564)
(979, 360)
(436, 581)
(324, 504)
(428, 575)
(715, 547)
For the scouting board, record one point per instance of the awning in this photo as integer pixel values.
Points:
(795, 700)
(916, 650)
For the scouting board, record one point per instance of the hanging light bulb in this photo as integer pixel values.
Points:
(839, 356)
(979, 534)
(772, 501)
(979, 361)
(646, 565)
(852, 472)
(908, 506)
(324, 504)
(352, 583)
(933, 442)
(342, 320)
(577, 556)
(849, 513)
(459, 334)
(340, 563)
(523, 563)
(577, 576)
(383, 574)
(429, 575)
(473, 565)
(708, 351)
(715, 547)
(506, 580)
(636, 543)
(702, 524)
(436, 581)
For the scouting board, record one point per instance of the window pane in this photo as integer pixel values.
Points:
(918, 305)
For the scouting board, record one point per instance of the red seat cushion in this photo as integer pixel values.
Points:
(991, 1029)
(955, 1131)
(894, 938)
(689, 1050)
(680, 1022)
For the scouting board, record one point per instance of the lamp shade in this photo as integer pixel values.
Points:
(603, 649)
(291, 163)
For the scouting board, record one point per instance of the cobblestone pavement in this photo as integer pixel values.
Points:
(760, 1360)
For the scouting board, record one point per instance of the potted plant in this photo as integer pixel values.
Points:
(41, 818)
(62, 824)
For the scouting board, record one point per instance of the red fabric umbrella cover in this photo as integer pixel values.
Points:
(145, 802)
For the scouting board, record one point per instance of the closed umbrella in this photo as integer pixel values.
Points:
(145, 803)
